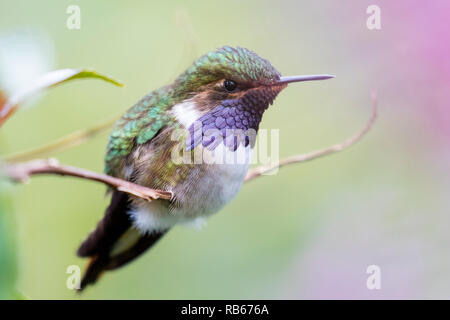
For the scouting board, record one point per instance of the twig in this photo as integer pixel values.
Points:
(258, 171)
(68, 141)
(21, 172)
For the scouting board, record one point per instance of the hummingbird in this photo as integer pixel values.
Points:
(226, 90)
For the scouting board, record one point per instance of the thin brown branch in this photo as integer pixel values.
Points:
(258, 171)
(65, 142)
(21, 172)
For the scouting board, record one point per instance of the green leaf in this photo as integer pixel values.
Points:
(48, 80)
(82, 74)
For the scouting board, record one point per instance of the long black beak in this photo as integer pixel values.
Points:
(290, 79)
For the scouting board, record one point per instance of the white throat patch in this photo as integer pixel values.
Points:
(186, 113)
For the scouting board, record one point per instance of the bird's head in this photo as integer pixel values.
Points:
(230, 88)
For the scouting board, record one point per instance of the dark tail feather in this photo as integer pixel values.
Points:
(102, 262)
(115, 222)
(100, 243)
(93, 271)
(144, 243)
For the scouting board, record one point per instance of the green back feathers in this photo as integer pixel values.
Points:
(137, 126)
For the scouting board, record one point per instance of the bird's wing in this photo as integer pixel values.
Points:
(138, 125)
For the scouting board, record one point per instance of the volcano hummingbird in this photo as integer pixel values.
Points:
(226, 90)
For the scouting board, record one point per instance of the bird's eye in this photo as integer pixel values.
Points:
(229, 85)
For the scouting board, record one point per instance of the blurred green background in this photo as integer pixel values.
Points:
(311, 230)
